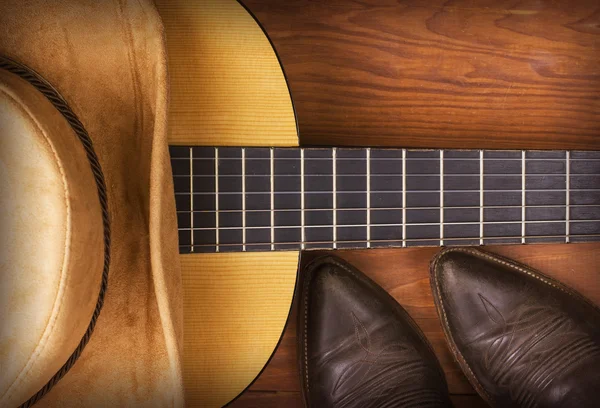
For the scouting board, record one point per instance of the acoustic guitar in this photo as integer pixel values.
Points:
(250, 200)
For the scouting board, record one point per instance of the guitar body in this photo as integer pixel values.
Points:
(228, 89)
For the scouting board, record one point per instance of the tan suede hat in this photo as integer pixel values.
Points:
(90, 292)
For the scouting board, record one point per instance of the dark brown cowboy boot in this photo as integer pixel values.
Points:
(358, 347)
(521, 338)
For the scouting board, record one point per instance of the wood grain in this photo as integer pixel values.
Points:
(234, 309)
(458, 74)
(226, 84)
(443, 74)
(404, 273)
(227, 89)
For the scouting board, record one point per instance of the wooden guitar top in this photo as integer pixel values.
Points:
(227, 88)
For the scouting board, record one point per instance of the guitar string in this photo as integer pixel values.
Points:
(473, 207)
(539, 190)
(409, 159)
(395, 175)
(396, 225)
(399, 240)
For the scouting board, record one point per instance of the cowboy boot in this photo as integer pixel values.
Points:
(521, 338)
(358, 347)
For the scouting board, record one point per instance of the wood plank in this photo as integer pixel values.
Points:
(226, 84)
(404, 273)
(465, 74)
(234, 309)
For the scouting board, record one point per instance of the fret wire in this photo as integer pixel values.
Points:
(192, 198)
(523, 171)
(368, 154)
(413, 224)
(408, 208)
(402, 240)
(216, 199)
(441, 198)
(243, 199)
(567, 198)
(536, 190)
(481, 184)
(302, 216)
(403, 197)
(334, 171)
(272, 167)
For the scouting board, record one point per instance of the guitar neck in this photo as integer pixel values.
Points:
(265, 199)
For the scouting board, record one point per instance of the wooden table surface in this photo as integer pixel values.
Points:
(445, 74)
(438, 73)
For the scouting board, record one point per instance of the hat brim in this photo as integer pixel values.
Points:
(108, 61)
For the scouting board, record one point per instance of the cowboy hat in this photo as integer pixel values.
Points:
(89, 302)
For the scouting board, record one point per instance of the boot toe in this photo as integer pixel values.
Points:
(358, 347)
(520, 337)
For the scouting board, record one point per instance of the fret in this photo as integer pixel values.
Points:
(463, 223)
(351, 192)
(181, 168)
(584, 167)
(204, 206)
(386, 173)
(318, 174)
(422, 192)
(545, 183)
(509, 163)
(260, 199)
(258, 213)
(228, 176)
(287, 162)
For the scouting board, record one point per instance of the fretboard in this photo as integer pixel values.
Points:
(265, 199)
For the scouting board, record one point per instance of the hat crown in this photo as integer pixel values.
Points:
(51, 246)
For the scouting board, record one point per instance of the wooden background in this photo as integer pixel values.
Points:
(437, 73)
(405, 275)
(445, 74)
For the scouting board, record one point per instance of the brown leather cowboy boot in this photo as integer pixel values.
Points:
(521, 338)
(358, 347)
